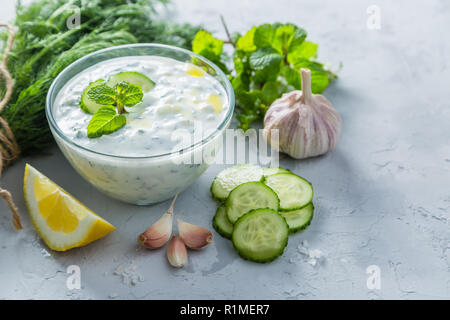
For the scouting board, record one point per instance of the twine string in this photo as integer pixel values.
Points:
(9, 149)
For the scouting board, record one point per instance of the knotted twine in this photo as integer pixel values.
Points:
(9, 148)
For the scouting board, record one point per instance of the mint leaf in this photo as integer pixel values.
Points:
(288, 38)
(269, 73)
(121, 88)
(270, 92)
(105, 121)
(128, 94)
(211, 48)
(241, 82)
(297, 39)
(263, 36)
(102, 94)
(250, 99)
(246, 119)
(306, 50)
(265, 57)
(292, 77)
(266, 64)
(133, 95)
(241, 62)
(238, 65)
(251, 107)
(245, 43)
(205, 43)
(319, 76)
(282, 38)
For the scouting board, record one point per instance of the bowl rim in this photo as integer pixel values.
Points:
(223, 125)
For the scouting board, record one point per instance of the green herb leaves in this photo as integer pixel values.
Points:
(102, 94)
(206, 45)
(265, 57)
(266, 64)
(211, 48)
(129, 94)
(106, 119)
(267, 61)
(125, 94)
(44, 46)
(288, 38)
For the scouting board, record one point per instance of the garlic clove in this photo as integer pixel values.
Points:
(158, 233)
(176, 252)
(307, 124)
(195, 237)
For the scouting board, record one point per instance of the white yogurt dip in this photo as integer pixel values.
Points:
(130, 164)
(183, 94)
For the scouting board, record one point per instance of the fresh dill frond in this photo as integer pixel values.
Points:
(44, 46)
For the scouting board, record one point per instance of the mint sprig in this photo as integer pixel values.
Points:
(209, 47)
(267, 62)
(124, 94)
(106, 119)
(128, 94)
(102, 94)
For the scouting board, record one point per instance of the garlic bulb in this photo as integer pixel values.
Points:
(308, 125)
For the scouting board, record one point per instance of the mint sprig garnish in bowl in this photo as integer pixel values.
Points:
(102, 94)
(106, 118)
(105, 121)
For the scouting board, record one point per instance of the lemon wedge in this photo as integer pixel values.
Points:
(59, 219)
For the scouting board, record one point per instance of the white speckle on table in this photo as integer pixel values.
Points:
(128, 272)
(313, 256)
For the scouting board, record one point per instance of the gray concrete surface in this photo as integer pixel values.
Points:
(382, 197)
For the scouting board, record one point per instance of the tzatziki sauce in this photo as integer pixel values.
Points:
(140, 163)
(184, 95)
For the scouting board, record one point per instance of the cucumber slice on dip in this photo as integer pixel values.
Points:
(131, 77)
(86, 104)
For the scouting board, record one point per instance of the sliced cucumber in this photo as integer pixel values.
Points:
(249, 196)
(131, 77)
(299, 219)
(273, 170)
(222, 224)
(231, 177)
(86, 104)
(260, 235)
(294, 192)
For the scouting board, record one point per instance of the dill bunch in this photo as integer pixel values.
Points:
(44, 46)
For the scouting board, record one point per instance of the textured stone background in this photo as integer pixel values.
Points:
(382, 197)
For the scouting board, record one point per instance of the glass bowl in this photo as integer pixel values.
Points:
(140, 180)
